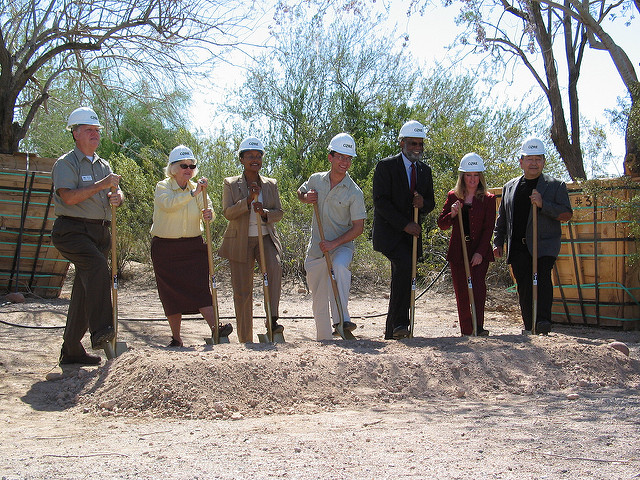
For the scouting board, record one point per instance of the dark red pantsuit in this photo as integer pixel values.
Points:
(482, 216)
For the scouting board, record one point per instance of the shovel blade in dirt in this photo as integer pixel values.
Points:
(277, 338)
(211, 340)
(112, 351)
(345, 334)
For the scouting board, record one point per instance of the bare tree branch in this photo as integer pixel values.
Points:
(155, 40)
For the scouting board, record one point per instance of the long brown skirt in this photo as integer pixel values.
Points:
(182, 274)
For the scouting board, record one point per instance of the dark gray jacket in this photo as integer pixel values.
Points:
(555, 200)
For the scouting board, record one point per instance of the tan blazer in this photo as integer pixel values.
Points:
(234, 209)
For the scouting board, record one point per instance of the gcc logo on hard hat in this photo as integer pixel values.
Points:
(347, 145)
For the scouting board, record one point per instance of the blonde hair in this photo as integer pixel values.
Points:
(460, 189)
(172, 168)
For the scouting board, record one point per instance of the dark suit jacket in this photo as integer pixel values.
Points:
(555, 200)
(392, 202)
(482, 218)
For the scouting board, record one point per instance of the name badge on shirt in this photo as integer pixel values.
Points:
(87, 178)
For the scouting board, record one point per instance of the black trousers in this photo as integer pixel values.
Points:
(522, 266)
(86, 245)
(400, 297)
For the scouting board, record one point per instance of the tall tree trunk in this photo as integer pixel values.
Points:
(569, 151)
(632, 135)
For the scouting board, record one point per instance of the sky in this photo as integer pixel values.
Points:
(429, 36)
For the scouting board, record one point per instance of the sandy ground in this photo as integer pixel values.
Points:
(563, 406)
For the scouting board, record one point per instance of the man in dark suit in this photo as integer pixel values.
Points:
(515, 227)
(401, 183)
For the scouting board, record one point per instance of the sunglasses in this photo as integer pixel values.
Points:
(184, 166)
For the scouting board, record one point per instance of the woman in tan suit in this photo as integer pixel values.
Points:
(242, 196)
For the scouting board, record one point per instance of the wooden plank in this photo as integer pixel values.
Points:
(14, 180)
(45, 274)
(18, 161)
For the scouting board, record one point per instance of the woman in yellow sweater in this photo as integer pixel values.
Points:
(178, 252)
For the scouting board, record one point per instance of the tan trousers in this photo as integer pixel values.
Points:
(242, 282)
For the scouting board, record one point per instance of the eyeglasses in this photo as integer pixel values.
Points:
(184, 166)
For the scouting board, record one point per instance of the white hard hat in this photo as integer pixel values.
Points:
(412, 129)
(83, 116)
(471, 162)
(181, 153)
(251, 143)
(532, 146)
(343, 143)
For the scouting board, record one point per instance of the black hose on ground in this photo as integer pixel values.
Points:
(44, 327)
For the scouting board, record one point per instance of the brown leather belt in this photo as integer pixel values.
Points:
(87, 220)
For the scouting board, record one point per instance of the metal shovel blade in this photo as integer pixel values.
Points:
(111, 352)
(345, 334)
(277, 338)
(210, 341)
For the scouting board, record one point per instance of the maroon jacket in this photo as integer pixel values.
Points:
(482, 218)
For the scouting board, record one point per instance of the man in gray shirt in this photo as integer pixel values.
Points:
(84, 190)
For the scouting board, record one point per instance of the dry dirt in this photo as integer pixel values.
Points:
(438, 406)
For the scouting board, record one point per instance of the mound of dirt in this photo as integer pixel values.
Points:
(235, 381)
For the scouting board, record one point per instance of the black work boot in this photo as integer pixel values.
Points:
(275, 326)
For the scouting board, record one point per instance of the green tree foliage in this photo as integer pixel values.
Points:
(318, 82)
(135, 214)
(357, 82)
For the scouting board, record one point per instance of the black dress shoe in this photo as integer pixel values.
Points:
(84, 359)
(543, 327)
(224, 330)
(101, 337)
(401, 332)
(483, 333)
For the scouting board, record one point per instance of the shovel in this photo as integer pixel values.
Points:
(467, 270)
(534, 290)
(345, 334)
(215, 338)
(414, 275)
(114, 348)
(269, 337)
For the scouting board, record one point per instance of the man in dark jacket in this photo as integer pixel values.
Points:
(401, 183)
(514, 227)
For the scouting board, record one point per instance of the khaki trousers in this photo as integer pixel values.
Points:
(242, 283)
(322, 291)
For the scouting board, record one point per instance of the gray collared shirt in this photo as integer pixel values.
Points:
(74, 170)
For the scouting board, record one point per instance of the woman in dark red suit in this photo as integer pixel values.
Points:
(478, 209)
